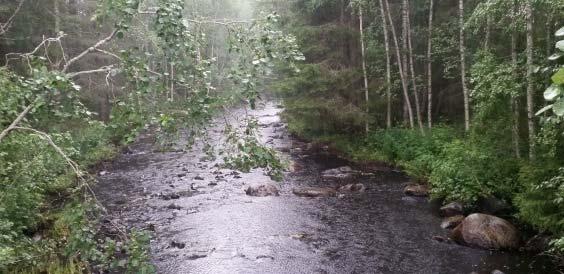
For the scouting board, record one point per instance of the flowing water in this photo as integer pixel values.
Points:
(203, 222)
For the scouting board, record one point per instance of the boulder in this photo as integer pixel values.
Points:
(417, 190)
(486, 231)
(452, 209)
(314, 192)
(352, 188)
(452, 222)
(262, 190)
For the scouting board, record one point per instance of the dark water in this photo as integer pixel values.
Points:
(204, 223)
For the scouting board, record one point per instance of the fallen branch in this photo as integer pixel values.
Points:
(102, 69)
(89, 50)
(15, 123)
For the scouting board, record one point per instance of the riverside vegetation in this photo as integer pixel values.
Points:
(466, 96)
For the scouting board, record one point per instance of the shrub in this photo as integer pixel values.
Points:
(466, 171)
(542, 204)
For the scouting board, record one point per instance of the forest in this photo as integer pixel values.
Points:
(124, 122)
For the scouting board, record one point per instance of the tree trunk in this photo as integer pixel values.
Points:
(404, 51)
(412, 70)
(388, 68)
(514, 99)
(530, 83)
(57, 15)
(463, 67)
(364, 73)
(400, 67)
(488, 33)
(430, 68)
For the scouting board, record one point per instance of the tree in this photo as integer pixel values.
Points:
(412, 70)
(465, 92)
(530, 80)
(401, 67)
(515, 99)
(430, 67)
(363, 56)
(388, 68)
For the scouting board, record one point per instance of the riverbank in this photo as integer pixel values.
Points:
(456, 168)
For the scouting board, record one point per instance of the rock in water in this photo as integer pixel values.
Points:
(486, 231)
(341, 174)
(452, 209)
(452, 222)
(262, 190)
(314, 192)
(352, 188)
(417, 190)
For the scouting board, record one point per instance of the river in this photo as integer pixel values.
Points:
(203, 222)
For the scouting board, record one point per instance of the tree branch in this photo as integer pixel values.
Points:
(6, 26)
(102, 69)
(15, 123)
(89, 50)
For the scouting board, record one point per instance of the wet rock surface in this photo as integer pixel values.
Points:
(314, 192)
(262, 190)
(416, 190)
(452, 209)
(452, 222)
(216, 228)
(486, 231)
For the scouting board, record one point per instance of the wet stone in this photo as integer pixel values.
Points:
(199, 178)
(179, 245)
(196, 256)
(313, 192)
(353, 188)
(262, 190)
(452, 209)
(417, 190)
(174, 206)
(452, 222)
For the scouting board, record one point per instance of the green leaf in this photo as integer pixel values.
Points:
(558, 77)
(552, 92)
(560, 45)
(559, 32)
(543, 110)
(558, 107)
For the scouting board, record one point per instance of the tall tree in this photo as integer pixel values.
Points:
(463, 66)
(430, 67)
(401, 68)
(530, 82)
(412, 70)
(514, 98)
(388, 68)
(404, 50)
(364, 73)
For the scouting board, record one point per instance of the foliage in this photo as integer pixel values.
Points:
(247, 153)
(543, 204)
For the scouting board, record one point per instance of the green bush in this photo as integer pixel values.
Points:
(466, 171)
(542, 204)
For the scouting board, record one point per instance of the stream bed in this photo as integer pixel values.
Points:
(203, 222)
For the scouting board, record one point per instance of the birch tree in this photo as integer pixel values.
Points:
(463, 67)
